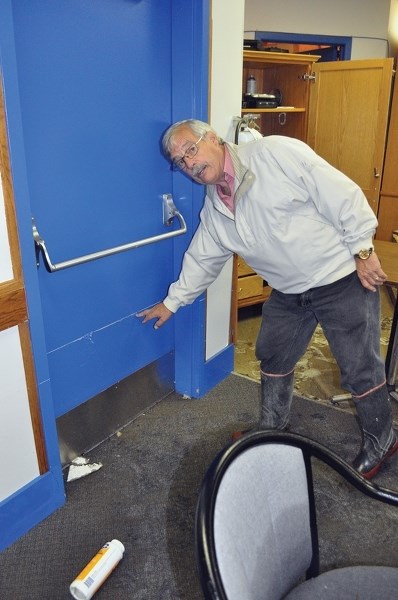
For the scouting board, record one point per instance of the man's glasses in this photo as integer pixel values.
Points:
(179, 163)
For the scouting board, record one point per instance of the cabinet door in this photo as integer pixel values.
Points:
(348, 116)
(388, 218)
(388, 206)
(390, 175)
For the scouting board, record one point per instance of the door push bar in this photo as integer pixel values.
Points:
(169, 212)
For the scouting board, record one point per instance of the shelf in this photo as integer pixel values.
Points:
(279, 109)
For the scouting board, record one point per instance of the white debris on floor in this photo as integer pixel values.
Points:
(81, 467)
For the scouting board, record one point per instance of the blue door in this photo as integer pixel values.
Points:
(89, 89)
(97, 89)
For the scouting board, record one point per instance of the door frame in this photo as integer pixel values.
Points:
(194, 375)
(13, 308)
(44, 494)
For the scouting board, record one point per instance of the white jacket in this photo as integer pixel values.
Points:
(298, 222)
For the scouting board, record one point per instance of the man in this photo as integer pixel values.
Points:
(306, 229)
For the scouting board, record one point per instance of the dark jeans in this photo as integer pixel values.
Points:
(350, 318)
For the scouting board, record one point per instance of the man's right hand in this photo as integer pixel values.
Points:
(370, 272)
(159, 312)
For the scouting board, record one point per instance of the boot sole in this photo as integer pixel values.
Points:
(370, 474)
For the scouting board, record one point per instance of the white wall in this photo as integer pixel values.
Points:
(18, 458)
(226, 65)
(366, 21)
(5, 253)
(225, 104)
(393, 27)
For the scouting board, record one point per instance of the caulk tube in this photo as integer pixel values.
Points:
(98, 569)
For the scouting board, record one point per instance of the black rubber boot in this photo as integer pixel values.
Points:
(379, 440)
(276, 400)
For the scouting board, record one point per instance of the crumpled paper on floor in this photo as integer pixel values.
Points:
(81, 467)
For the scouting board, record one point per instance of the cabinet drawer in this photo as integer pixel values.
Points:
(250, 286)
(243, 268)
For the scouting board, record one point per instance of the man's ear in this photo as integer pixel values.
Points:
(212, 137)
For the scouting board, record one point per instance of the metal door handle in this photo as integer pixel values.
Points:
(376, 173)
(169, 212)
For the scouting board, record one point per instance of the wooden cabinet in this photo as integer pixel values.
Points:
(340, 109)
(248, 288)
(251, 288)
(291, 75)
(388, 205)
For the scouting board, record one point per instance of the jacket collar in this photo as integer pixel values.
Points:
(245, 178)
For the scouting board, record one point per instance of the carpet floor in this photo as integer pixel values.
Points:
(146, 491)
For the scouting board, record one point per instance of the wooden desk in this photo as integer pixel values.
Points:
(388, 255)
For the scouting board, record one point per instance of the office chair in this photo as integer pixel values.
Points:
(256, 531)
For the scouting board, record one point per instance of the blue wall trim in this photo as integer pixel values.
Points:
(37, 500)
(194, 375)
(190, 70)
(27, 507)
(204, 375)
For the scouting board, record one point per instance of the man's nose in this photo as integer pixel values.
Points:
(189, 162)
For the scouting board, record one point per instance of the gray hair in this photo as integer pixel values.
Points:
(199, 128)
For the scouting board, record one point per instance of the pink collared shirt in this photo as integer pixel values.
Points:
(230, 179)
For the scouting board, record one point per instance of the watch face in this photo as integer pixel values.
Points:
(364, 254)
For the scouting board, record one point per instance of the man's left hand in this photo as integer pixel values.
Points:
(370, 272)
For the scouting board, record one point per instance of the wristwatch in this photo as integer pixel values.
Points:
(364, 254)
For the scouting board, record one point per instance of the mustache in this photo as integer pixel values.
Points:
(198, 168)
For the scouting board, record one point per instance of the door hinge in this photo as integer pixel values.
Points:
(307, 77)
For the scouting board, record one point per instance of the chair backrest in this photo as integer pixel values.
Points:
(256, 531)
(259, 533)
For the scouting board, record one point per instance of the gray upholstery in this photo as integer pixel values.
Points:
(261, 523)
(350, 583)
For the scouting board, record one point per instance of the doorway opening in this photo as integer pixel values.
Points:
(317, 374)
